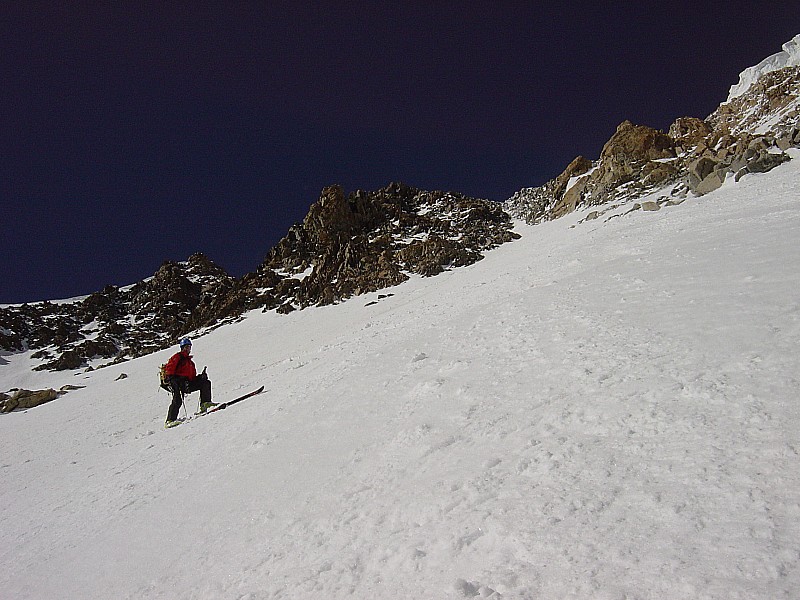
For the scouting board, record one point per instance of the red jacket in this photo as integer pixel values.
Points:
(181, 364)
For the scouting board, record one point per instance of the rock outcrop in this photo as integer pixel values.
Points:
(115, 323)
(749, 134)
(24, 399)
(368, 241)
(347, 245)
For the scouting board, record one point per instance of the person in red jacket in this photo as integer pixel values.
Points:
(183, 379)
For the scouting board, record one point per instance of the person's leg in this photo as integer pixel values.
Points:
(205, 391)
(204, 385)
(177, 400)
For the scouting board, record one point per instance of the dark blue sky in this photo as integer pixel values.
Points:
(136, 132)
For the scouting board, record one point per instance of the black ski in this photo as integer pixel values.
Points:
(234, 401)
(218, 407)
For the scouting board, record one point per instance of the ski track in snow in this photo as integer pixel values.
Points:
(608, 411)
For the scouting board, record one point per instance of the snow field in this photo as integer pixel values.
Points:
(604, 411)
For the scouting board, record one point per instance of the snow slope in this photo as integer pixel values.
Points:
(604, 411)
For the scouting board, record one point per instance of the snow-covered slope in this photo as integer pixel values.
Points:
(604, 411)
(789, 56)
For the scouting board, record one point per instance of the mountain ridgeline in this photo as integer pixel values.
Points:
(363, 242)
(749, 134)
(345, 246)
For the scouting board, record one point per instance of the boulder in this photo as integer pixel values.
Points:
(738, 163)
(630, 147)
(761, 144)
(784, 143)
(658, 173)
(688, 132)
(712, 182)
(571, 199)
(765, 161)
(69, 360)
(24, 399)
(699, 169)
(579, 166)
(761, 162)
(285, 309)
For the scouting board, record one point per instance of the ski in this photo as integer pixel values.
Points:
(217, 407)
(234, 401)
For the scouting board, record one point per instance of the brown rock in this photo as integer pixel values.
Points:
(699, 169)
(712, 182)
(24, 399)
(689, 131)
(631, 146)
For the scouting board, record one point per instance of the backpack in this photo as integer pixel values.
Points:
(162, 378)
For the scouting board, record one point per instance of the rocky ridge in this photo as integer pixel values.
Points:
(748, 134)
(368, 241)
(345, 246)
(114, 323)
(363, 242)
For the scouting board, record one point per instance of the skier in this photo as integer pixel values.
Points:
(183, 379)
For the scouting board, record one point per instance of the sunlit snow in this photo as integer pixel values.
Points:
(789, 56)
(608, 410)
